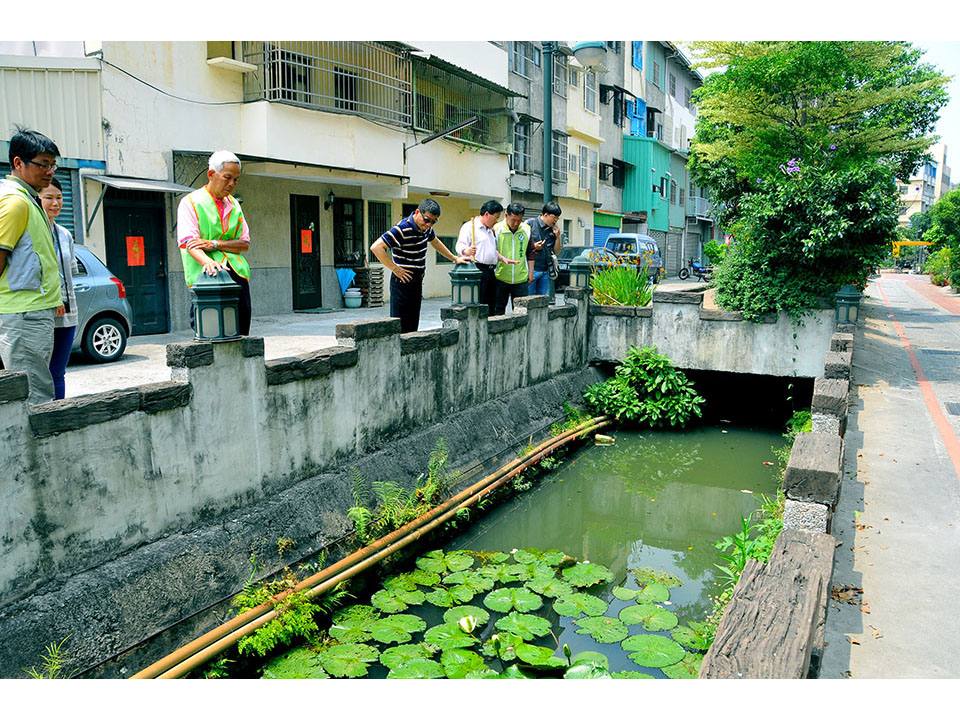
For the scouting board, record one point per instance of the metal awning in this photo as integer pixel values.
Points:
(449, 67)
(129, 183)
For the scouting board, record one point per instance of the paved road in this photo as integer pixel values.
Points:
(283, 336)
(898, 517)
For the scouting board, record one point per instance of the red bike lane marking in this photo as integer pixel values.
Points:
(932, 293)
(946, 431)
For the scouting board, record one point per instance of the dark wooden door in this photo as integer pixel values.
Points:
(305, 251)
(348, 232)
(136, 254)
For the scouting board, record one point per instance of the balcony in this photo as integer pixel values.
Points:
(699, 207)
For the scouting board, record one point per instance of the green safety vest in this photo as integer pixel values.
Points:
(30, 279)
(512, 245)
(213, 228)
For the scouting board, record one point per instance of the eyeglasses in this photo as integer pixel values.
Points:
(428, 220)
(52, 167)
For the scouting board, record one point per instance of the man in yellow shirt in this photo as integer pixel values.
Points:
(29, 280)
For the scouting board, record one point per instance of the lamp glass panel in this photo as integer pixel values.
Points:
(209, 325)
(229, 321)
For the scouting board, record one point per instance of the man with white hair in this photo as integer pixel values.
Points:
(213, 234)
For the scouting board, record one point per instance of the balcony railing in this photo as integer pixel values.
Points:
(699, 207)
(369, 79)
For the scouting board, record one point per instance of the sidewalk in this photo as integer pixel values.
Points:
(898, 516)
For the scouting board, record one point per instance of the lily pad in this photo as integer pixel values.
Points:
(449, 635)
(691, 637)
(396, 628)
(299, 663)
(484, 673)
(394, 601)
(603, 629)
(549, 586)
(686, 669)
(654, 593)
(538, 656)
(525, 625)
(410, 580)
(473, 580)
(586, 574)
(631, 675)
(508, 646)
(458, 663)
(506, 599)
(652, 617)
(512, 672)
(579, 604)
(495, 557)
(590, 656)
(506, 573)
(417, 669)
(453, 615)
(397, 655)
(437, 562)
(526, 556)
(352, 624)
(622, 593)
(646, 575)
(448, 597)
(348, 659)
(654, 651)
(586, 670)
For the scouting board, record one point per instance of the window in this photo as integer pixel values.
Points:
(584, 167)
(618, 109)
(378, 220)
(656, 73)
(523, 57)
(574, 78)
(638, 54)
(673, 192)
(451, 242)
(590, 92)
(288, 75)
(575, 163)
(345, 89)
(425, 119)
(683, 199)
(559, 156)
(683, 137)
(673, 84)
(522, 160)
(560, 75)
(613, 45)
(687, 97)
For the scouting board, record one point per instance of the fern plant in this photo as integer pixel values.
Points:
(360, 514)
(52, 665)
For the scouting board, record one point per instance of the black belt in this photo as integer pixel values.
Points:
(486, 265)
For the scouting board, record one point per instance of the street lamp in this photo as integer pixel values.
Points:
(216, 300)
(465, 285)
(589, 54)
(580, 269)
(848, 305)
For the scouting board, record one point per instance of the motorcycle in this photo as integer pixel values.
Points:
(702, 272)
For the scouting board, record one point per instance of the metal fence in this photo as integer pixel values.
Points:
(368, 79)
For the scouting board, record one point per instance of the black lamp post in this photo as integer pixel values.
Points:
(465, 285)
(216, 300)
(848, 305)
(580, 269)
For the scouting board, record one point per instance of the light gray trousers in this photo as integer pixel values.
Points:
(26, 344)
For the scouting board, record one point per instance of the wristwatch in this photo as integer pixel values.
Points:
(215, 245)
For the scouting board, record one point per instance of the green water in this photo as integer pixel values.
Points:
(653, 499)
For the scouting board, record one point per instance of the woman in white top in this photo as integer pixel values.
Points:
(65, 325)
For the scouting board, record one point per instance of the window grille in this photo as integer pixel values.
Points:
(559, 157)
(560, 76)
(522, 159)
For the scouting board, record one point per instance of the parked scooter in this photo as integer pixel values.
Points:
(701, 272)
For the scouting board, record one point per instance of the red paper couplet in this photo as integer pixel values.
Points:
(135, 254)
(306, 241)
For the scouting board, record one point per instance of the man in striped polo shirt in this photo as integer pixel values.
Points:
(407, 242)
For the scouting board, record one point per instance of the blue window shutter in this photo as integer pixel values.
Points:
(640, 109)
(638, 54)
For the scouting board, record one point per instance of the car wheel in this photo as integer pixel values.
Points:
(105, 340)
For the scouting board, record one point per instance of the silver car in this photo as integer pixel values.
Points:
(104, 316)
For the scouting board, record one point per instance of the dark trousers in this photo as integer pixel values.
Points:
(488, 287)
(506, 291)
(244, 306)
(405, 299)
(62, 343)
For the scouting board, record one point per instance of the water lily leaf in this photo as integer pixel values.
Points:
(453, 615)
(646, 575)
(396, 628)
(448, 597)
(603, 629)
(484, 673)
(553, 557)
(410, 580)
(622, 593)
(586, 671)
(299, 663)
(436, 561)
(526, 556)
(654, 593)
(687, 669)
(655, 651)
(506, 573)
(458, 561)
(525, 625)
(508, 646)
(631, 675)
(506, 599)
(512, 672)
(538, 656)
(579, 603)
(549, 586)
(449, 635)
(690, 637)
(393, 601)
(586, 574)
(497, 557)
(417, 669)
(352, 624)
(348, 659)
(458, 663)
(591, 656)
(475, 581)
(394, 657)
(652, 617)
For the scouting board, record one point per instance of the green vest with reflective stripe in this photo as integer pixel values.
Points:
(30, 279)
(512, 245)
(213, 228)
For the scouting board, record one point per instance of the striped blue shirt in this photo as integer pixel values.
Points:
(408, 244)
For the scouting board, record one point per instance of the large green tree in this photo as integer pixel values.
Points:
(841, 103)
